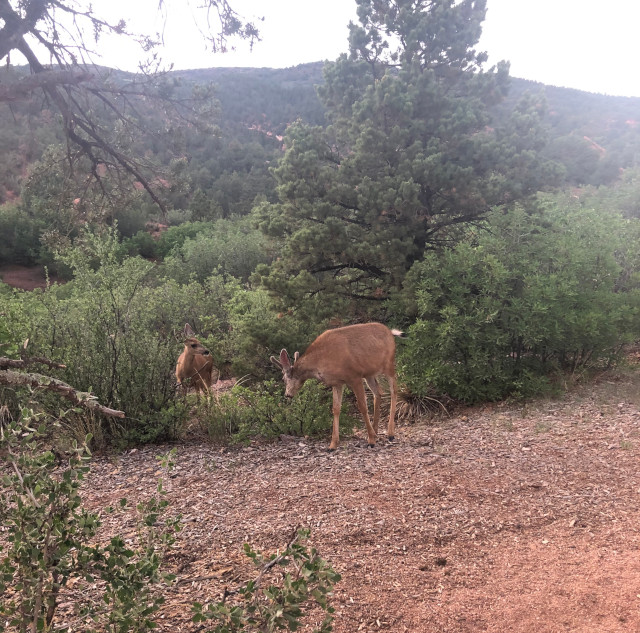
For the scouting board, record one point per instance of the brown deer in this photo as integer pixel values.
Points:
(347, 356)
(195, 364)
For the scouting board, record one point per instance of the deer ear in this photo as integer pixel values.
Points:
(276, 361)
(188, 331)
(295, 357)
(284, 359)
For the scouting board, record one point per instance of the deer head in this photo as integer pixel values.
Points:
(291, 381)
(195, 363)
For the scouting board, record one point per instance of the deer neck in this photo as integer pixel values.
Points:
(305, 369)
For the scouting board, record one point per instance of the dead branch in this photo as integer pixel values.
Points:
(7, 363)
(17, 90)
(38, 381)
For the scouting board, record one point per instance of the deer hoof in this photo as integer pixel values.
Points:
(391, 438)
(331, 450)
(371, 445)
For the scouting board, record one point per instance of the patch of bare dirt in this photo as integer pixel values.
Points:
(26, 277)
(506, 518)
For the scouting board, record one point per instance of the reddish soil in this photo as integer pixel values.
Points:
(504, 518)
(26, 277)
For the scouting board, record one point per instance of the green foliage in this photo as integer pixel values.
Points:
(20, 242)
(258, 330)
(409, 156)
(175, 236)
(114, 327)
(623, 196)
(229, 247)
(8, 348)
(156, 425)
(532, 293)
(263, 411)
(298, 579)
(577, 154)
(130, 218)
(142, 243)
(51, 543)
(594, 136)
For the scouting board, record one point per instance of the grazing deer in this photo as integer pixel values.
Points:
(195, 364)
(346, 356)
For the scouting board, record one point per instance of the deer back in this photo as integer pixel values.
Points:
(348, 353)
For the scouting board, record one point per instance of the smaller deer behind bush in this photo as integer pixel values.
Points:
(347, 356)
(195, 364)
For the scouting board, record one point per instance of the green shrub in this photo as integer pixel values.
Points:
(263, 411)
(532, 294)
(142, 243)
(161, 425)
(222, 416)
(20, 243)
(230, 247)
(258, 330)
(298, 579)
(52, 542)
(175, 236)
(115, 327)
(130, 219)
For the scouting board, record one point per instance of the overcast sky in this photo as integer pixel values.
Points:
(591, 45)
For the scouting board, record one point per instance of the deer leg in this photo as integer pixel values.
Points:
(337, 405)
(377, 400)
(361, 397)
(391, 427)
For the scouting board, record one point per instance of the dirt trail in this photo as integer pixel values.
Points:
(26, 277)
(503, 519)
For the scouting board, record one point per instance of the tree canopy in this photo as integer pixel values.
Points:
(99, 109)
(409, 155)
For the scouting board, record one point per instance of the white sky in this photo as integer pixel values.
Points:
(591, 45)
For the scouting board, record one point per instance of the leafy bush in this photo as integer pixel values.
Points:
(51, 543)
(258, 330)
(20, 242)
(130, 219)
(263, 411)
(175, 236)
(299, 578)
(142, 243)
(533, 293)
(114, 327)
(230, 247)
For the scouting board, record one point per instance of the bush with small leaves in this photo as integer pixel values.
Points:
(301, 581)
(537, 292)
(262, 411)
(50, 543)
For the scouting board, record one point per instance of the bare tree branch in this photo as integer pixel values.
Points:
(38, 381)
(8, 363)
(21, 89)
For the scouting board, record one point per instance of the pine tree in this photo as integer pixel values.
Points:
(409, 154)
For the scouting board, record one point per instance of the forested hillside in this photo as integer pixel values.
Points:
(593, 136)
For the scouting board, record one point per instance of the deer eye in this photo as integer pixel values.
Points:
(194, 345)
